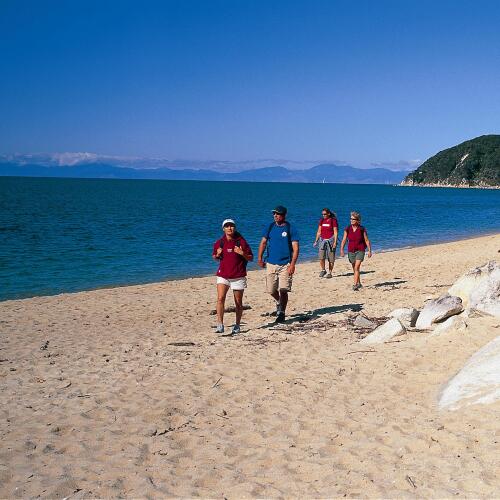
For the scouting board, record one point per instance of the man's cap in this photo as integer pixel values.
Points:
(280, 209)
(228, 221)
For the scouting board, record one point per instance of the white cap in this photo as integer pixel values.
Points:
(228, 221)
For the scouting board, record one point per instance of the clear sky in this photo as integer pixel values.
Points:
(354, 81)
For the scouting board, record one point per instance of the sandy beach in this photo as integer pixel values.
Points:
(128, 392)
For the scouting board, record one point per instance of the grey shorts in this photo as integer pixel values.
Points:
(331, 255)
(354, 256)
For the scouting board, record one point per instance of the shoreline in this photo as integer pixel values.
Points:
(135, 383)
(307, 260)
(437, 185)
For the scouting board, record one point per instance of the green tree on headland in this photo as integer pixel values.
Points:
(473, 163)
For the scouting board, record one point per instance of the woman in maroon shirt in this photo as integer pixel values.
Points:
(327, 237)
(358, 243)
(233, 252)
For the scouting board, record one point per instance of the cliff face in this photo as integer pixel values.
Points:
(474, 163)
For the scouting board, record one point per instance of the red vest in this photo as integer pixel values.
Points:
(356, 239)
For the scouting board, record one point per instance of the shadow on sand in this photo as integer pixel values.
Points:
(352, 274)
(388, 283)
(316, 313)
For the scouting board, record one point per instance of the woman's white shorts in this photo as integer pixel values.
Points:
(234, 284)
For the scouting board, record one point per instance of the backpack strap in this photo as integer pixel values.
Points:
(269, 229)
(288, 231)
(222, 241)
(221, 245)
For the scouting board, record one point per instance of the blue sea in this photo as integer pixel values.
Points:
(65, 235)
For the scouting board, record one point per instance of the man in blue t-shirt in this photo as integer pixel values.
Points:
(282, 243)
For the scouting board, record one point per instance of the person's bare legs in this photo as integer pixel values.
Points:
(238, 303)
(221, 300)
(356, 268)
(322, 264)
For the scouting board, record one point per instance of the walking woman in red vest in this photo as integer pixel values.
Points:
(358, 243)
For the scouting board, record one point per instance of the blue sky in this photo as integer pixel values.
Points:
(362, 82)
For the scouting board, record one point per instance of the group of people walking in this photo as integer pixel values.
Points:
(280, 240)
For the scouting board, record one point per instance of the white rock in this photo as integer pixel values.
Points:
(384, 332)
(477, 382)
(438, 309)
(407, 315)
(486, 297)
(474, 279)
(456, 323)
(363, 322)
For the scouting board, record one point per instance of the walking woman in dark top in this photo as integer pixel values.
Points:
(233, 252)
(358, 243)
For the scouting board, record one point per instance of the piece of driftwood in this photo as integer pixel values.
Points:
(304, 324)
(230, 309)
(263, 341)
(182, 344)
(411, 481)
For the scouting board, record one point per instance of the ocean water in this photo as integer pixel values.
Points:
(63, 235)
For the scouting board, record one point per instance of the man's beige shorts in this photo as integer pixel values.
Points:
(277, 278)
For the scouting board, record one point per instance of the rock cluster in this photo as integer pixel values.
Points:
(476, 292)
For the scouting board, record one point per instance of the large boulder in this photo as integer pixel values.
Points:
(407, 315)
(477, 382)
(486, 297)
(438, 310)
(385, 332)
(479, 288)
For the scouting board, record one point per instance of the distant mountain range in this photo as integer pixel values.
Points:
(473, 163)
(327, 173)
(73, 159)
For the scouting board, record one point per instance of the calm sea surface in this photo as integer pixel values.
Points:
(60, 235)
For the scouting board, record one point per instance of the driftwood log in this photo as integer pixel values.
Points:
(230, 309)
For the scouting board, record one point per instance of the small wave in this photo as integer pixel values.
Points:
(14, 227)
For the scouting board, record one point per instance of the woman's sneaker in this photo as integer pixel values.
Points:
(329, 275)
(219, 329)
(235, 330)
(322, 273)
